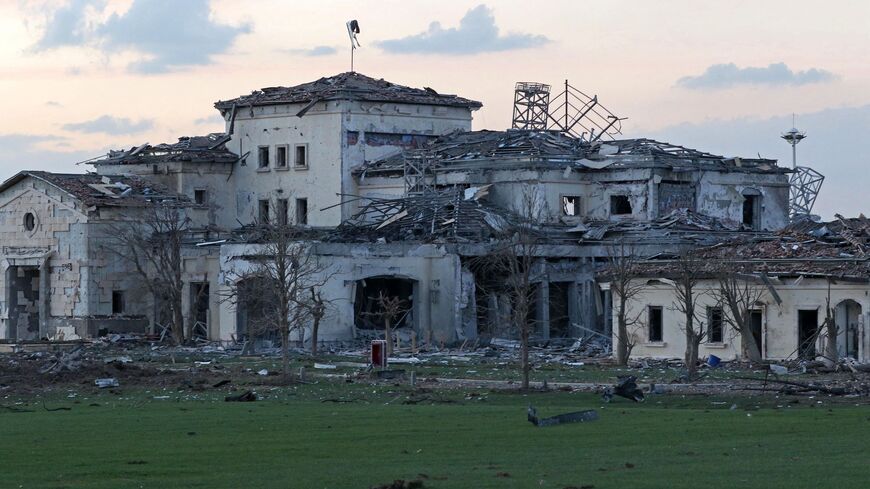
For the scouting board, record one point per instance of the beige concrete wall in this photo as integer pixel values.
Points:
(58, 236)
(437, 275)
(779, 327)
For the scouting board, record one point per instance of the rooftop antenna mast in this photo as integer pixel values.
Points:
(352, 31)
(805, 183)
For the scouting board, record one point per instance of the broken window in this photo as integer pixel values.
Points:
(29, 221)
(199, 196)
(368, 310)
(263, 157)
(301, 211)
(655, 324)
(282, 211)
(714, 325)
(264, 212)
(570, 205)
(281, 156)
(118, 302)
(620, 205)
(301, 160)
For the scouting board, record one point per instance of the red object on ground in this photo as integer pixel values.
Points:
(379, 353)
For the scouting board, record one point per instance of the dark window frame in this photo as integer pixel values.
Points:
(655, 329)
(302, 211)
(571, 205)
(304, 156)
(279, 150)
(620, 205)
(263, 157)
(715, 325)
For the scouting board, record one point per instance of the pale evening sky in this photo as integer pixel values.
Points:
(83, 76)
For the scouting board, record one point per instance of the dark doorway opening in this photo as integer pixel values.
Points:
(23, 283)
(367, 310)
(199, 294)
(808, 326)
(752, 209)
(846, 315)
(560, 320)
(756, 328)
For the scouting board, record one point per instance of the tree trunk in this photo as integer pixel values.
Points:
(177, 325)
(691, 353)
(621, 336)
(751, 351)
(285, 353)
(524, 341)
(832, 353)
(314, 327)
(388, 335)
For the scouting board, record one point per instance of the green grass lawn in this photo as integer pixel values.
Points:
(293, 440)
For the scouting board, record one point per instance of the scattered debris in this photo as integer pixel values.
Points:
(575, 417)
(106, 383)
(247, 396)
(626, 387)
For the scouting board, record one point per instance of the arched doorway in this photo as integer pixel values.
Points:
(847, 315)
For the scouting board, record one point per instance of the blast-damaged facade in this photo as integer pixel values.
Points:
(56, 279)
(398, 194)
(805, 284)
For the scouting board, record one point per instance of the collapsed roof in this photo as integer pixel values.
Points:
(196, 149)
(348, 86)
(101, 190)
(838, 249)
(449, 216)
(470, 149)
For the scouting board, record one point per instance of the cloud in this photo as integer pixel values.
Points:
(24, 152)
(68, 25)
(168, 35)
(315, 51)
(110, 125)
(775, 74)
(210, 120)
(53, 103)
(477, 33)
(832, 146)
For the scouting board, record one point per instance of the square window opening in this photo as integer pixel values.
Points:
(570, 205)
(301, 160)
(620, 205)
(199, 196)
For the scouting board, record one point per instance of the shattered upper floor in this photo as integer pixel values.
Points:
(531, 148)
(196, 149)
(347, 86)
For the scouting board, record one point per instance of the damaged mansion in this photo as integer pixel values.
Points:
(394, 194)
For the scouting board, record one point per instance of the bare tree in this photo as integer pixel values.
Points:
(317, 305)
(689, 269)
(832, 353)
(622, 271)
(151, 242)
(280, 285)
(738, 294)
(390, 307)
(512, 267)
